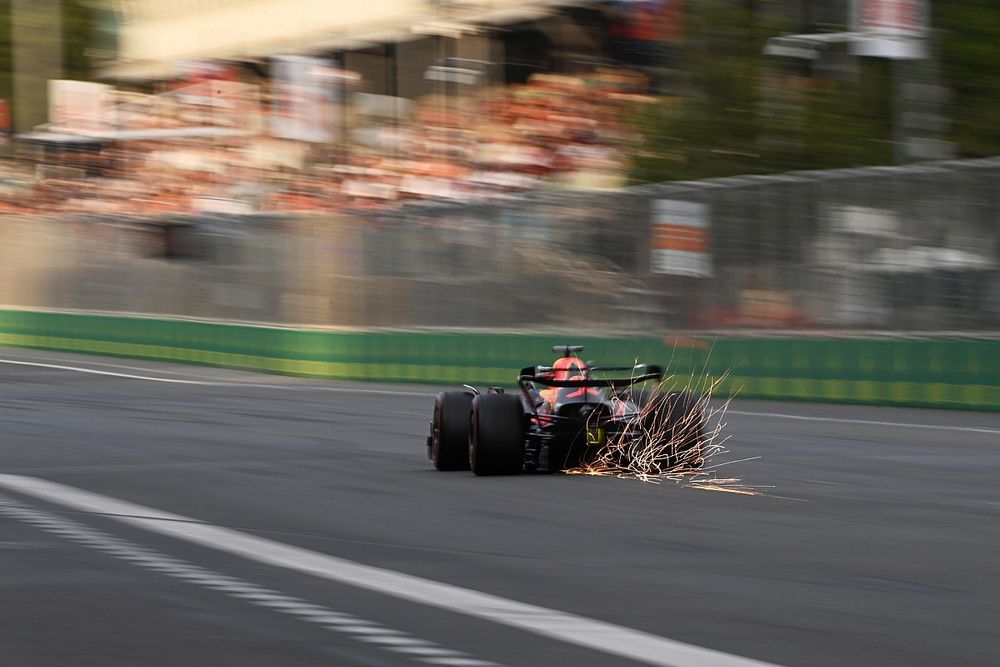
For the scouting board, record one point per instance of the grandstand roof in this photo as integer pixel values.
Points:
(154, 35)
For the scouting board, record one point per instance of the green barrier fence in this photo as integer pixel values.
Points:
(929, 372)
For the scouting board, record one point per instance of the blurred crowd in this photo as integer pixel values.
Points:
(556, 131)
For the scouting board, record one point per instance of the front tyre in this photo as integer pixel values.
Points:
(450, 430)
(496, 435)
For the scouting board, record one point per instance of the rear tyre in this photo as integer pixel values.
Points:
(496, 435)
(563, 456)
(687, 429)
(450, 430)
(690, 433)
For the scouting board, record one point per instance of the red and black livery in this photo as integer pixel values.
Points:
(564, 416)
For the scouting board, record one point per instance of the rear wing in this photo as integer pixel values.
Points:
(639, 373)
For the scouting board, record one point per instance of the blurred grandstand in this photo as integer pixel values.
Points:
(407, 163)
(360, 108)
(211, 145)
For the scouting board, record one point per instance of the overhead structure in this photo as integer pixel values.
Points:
(893, 29)
(155, 35)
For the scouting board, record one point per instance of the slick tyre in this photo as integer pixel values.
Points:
(496, 435)
(450, 430)
(687, 427)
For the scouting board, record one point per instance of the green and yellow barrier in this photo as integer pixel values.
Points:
(930, 372)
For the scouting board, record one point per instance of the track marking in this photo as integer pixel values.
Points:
(130, 367)
(421, 394)
(867, 422)
(94, 371)
(388, 639)
(569, 628)
(216, 383)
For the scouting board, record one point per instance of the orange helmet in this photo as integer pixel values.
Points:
(568, 367)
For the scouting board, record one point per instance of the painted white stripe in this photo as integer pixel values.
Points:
(578, 630)
(397, 392)
(89, 362)
(410, 646)
(867, 422)
(94, 371)
(309, 610)
(230, 587)
(331, 620)
(344, 624)
(265, 596)
(393, 640)
(399, 642)
(369, 631)
(284, 605)
(218, 383)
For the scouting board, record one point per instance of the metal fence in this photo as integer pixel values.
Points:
(902, 248)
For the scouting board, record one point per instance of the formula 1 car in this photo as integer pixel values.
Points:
(569, 415)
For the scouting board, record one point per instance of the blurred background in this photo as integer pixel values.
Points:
(626, 165)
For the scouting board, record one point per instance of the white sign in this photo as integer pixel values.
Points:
(680, 238)
(301, 107)
(80, 106)
(891, 28)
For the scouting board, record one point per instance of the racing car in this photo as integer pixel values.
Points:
(568, 415)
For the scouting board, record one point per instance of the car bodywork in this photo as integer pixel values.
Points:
(566, 416)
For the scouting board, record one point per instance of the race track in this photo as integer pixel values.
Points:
(154, 514)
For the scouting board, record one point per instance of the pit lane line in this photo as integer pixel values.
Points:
(399, 392)
(569, 628)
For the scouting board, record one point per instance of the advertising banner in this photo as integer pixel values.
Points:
(899, 18)
(680, 239)
(80, 106)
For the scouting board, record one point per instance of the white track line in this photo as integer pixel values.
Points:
(94, 371)
(569, 628)
(867, 422)
(215, 383)
(90, 362)
(389, 639)
(399, 392)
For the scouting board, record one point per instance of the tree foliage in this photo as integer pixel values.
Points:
(6, 52)
(967, 40)
(710, 127)
(739, 111)
(68, 49)
(78, 37)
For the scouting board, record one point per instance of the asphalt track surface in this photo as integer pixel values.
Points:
(876, 540)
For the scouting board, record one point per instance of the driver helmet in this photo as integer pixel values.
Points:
(567, 368)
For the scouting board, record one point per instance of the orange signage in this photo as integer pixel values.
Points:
(679, 239)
